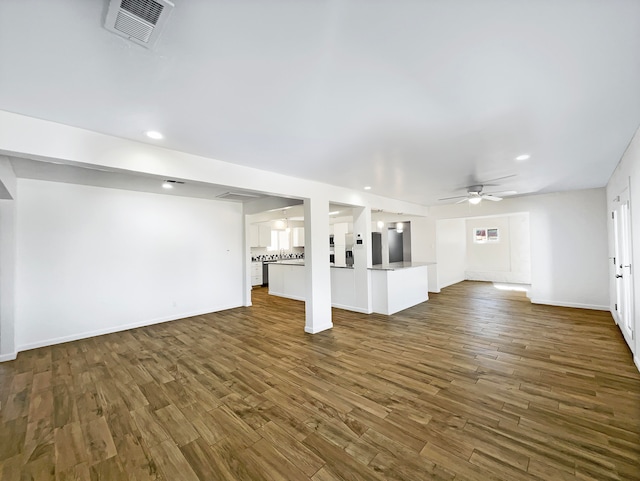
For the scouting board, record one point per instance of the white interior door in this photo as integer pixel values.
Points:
(623, 309)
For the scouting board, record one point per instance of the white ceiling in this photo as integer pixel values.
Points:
(414, 98)
(295, 213)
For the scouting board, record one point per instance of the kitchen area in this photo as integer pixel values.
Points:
(273, 242)
(386, 284)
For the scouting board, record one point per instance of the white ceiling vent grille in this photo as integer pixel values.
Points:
(241, 196)
(140, 21)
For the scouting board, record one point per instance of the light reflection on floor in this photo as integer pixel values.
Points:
(504, 286)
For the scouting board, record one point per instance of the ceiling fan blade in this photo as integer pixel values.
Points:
(462, 200)
(455, 197)
(486, 182)
(503, 193)
(492, 198)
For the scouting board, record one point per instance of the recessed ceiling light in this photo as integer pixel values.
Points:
(523, 157)
(367, 187)
(171, 183)
(153, 134)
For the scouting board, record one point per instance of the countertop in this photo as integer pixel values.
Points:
(395, 266)
(300, 262)
(289, 262)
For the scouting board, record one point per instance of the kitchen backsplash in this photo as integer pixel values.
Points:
(262, 254)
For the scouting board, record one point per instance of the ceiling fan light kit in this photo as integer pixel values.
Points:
(475, 193)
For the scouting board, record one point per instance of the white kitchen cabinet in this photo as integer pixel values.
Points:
(254, 235)
(393, 290)
(276, 279)
(287, 280)
(264, 235)
(259, 235)
(340, 230)
(298, 237)
(256, 273)
(343, 288)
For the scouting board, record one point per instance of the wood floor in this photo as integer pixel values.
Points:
(475, 384)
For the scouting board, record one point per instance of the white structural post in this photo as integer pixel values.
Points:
(385, 243)
(8, 189)
(362, 257)
(246, 264)
(318, 274)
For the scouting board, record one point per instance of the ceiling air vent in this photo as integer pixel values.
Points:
(140, 21)
(241, 196)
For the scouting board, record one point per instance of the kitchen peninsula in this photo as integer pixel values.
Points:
(287, 279)
(399, 285)
(394, 287)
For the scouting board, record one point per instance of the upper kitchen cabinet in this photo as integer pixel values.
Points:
(340, 230)
(298, 237)
(259, 235)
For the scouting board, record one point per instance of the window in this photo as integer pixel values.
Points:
(280, 239)
(482, 235)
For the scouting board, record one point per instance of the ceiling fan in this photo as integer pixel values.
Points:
(475, 193)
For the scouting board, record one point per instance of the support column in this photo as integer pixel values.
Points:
(385, 243)
(246, 263)
(362, 257)
(318, 274)
(7, 260)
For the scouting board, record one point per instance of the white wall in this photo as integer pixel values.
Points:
(7, 260)
(627, 175)
(451, 251)
(92, 260)
(569, 265)
(28, 137)
(423, 239)
(508, 259)
(423, 247)
(569, 259)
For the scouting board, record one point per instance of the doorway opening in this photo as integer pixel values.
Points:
(484, 248)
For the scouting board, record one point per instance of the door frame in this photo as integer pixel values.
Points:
(623, 302)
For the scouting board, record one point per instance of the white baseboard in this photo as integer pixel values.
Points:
(295, 298)
(498, 277)
(636, 361)
(316, 330)
(442, 286)
(351, 308)
(123, 327)
(614, 314)
(576, 305)
(8, 357)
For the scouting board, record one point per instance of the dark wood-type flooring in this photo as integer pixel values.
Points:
(475, 384)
